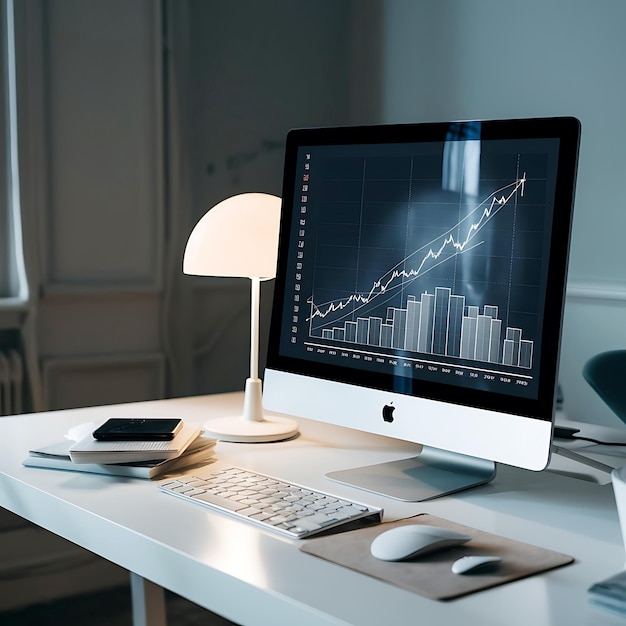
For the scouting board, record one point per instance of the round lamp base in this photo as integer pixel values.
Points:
(236, 429)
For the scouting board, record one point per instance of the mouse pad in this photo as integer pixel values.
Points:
(430, 575)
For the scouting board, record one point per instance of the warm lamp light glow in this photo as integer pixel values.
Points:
(239, 238)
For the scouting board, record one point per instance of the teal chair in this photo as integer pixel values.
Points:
(606, 374)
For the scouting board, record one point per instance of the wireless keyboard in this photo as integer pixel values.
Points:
(284, 507)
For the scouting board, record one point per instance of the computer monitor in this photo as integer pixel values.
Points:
(420, 291)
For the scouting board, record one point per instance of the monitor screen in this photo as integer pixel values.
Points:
(420, 282)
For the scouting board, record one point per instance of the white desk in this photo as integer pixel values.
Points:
(252, 576)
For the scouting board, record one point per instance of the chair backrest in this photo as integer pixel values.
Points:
(606, 373)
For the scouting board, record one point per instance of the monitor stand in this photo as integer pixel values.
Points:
(432, 474)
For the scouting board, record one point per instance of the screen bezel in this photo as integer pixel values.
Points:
(567, 131)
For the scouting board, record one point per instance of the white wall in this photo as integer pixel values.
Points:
(244, 73)
(459, 59)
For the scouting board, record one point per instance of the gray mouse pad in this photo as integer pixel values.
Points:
(431, 575)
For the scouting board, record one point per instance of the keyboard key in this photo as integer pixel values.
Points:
(222, 503)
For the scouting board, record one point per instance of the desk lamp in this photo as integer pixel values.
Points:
(238, 237)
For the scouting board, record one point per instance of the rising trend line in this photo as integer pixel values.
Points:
(449, 245)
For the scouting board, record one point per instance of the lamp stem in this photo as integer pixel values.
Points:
(253, 396)
(255, 300)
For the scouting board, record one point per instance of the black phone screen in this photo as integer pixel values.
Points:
(138, 429)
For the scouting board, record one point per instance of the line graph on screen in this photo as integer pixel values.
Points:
(445, 293)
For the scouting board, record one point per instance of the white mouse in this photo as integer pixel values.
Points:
(467, 564)
(405, 542)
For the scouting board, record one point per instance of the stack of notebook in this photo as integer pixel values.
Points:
(138, 459)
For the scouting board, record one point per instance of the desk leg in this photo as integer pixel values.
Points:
(148, 602)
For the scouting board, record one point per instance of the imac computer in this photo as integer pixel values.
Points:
(420, 291)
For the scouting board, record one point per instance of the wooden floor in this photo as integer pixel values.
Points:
(107, 608)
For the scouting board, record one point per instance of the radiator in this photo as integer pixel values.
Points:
(11, 382)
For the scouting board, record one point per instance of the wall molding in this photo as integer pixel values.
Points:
(103, 216)
(71, 382)
(596, 291)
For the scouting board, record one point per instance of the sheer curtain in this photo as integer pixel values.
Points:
(13, 284)
(20, 387)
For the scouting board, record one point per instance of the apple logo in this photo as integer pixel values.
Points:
(388, 410)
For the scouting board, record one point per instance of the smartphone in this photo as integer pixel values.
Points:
(138, 429)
